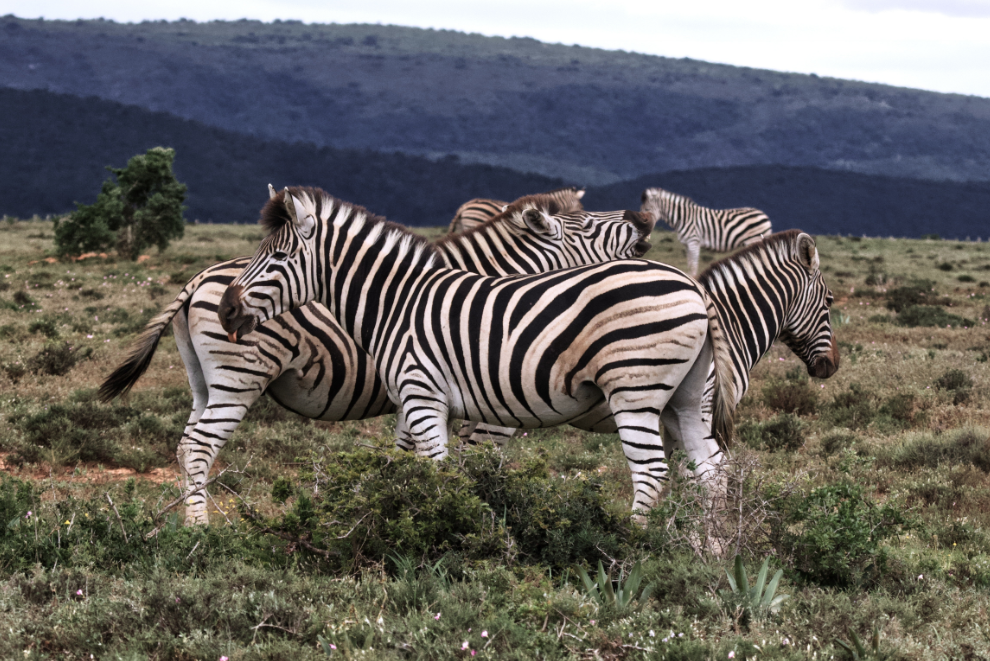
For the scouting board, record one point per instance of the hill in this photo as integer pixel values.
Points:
(55, 147)
(586, 115)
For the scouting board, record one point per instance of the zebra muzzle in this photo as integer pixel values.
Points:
(232, 316)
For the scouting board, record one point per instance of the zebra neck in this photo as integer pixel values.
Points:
(498, 248)
(750, 318)
(370, 275)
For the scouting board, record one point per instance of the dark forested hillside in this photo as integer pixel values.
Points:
(55, 146)
(53, 149)
(581, 114)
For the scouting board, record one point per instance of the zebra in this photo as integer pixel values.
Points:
(480, 210)
(526, 350)
(771, 290)
(699, 227)
(307, 363)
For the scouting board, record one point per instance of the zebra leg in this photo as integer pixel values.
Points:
(403, 439)
(200, 447)
(639, 430)
(195, 508)
(425, 421)
(481, 433)
(693, 247)
(687, 429)
(466, 431)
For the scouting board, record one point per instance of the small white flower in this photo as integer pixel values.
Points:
(652, 634)
(465, 645)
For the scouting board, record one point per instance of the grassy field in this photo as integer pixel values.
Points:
(870, 491)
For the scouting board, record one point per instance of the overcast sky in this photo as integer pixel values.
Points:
(941, 45)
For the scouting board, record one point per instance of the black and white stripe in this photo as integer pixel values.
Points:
(699, 227)
(526, 351)
(772, 290)
(478, 211)
(307, 363)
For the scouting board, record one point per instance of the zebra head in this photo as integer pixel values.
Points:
(807, 327)
(586, 237)
(661, 204)
(281, 276)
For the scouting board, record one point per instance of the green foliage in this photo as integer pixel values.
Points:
(119, 435)
(783, 432)
(956, 382)
(374, 503)
(622, 594)
(834, 535)
(914, 316)
(857, 651)
(752, 603)
(919, 293)
(57, 358)
(142, 208)
(554, 521)
(929, 451)
(793, 394)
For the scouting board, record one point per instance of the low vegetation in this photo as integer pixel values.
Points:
(864, 499)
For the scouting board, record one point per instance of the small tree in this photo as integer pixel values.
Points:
(142, 208)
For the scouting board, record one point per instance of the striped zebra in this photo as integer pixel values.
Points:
(772, 290)
(307, 363)
(699, 227)
(527, 351)
(480, 210)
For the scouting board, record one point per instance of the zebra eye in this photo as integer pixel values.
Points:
(280, 256)
(828, 300)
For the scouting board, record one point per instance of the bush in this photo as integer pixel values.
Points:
(836, 442)
(833, 535)
(853, 409)
(965, 447)
(57, 358)
(556, 521)
(784, 432)
(958, 383)
(792, 395)
(47, 326)
(919, 293)
(914, 316)
(117, 435)
(142, 208)
(372, 504)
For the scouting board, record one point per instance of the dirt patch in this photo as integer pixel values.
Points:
(87, 473)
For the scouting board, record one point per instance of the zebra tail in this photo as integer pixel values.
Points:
(143, 348)
(724, 395)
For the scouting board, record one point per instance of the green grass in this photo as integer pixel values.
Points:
(871, 491)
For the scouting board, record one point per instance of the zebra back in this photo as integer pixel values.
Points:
(716, 229)
(478, 211)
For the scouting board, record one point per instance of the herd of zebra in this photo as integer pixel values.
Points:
(526, 315)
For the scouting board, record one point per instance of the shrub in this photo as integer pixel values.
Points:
(783, 432)
(915, 294)
(372, 504)
(945, 266)
(142, 208)
(958, 383)
(117, 435)
(91, 294)
(899, 408)
(792, 395)
(853, 409)
(47, 326)
(966, 278)
(833, 535)
(836, 442)
(553, 521)
(965, 447)
(914, 316)
(57, 358)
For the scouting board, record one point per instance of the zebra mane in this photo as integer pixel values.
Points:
(545, 202)
(274, 217)
(782, 243)
(665, 194)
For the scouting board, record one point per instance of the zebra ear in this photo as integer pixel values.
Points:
(579, 193)
(303, 221)
(807, 252)
(542, 223)
(271, 192)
